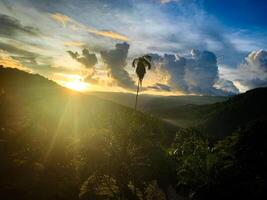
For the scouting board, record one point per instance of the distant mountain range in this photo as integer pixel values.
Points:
(156, 104)
(221, 118)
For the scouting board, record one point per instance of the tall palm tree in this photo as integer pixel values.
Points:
(140, 64)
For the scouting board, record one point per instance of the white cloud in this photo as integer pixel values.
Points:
(196, 73)
(251, 73)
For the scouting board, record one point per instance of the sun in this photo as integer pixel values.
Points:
(77, 85)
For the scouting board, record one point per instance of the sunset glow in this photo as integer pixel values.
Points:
(77, 85)
(202, 52)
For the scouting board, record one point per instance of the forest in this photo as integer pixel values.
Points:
(59, 144)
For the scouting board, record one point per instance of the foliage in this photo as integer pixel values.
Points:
(56, 144)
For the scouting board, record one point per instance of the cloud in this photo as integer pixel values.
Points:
(176, 67)
(7, 61)
(26, 59)
(10, 26)
(74, 44)
(226, 86)
(159, 87)
(115, 60)
(252, 72)
(17, 51)
(86, 58)
(60, 18)
(74, 25)
(109, 34)
(196, 73)
(167, 1)
(201, 72)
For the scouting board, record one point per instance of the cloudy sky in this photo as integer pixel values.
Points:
(198, 46)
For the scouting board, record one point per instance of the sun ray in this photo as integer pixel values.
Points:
(60, 123)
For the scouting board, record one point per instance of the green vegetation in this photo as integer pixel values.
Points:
(59, 144)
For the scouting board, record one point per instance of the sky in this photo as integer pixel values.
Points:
(202, 47)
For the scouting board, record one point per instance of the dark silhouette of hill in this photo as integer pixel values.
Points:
(54, 140)
(59, 144)
(34, 93)
(222, 118)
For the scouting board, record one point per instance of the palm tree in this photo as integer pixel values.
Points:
(140, 64)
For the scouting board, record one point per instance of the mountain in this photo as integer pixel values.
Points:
(156, 104)
(222, 118)
(29, 98)
(52, 140)
(59, 144)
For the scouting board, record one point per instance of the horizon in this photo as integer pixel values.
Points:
(93, 43)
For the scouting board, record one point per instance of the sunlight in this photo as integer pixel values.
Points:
(77, 85)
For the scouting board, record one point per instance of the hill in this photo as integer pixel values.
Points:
(156, 104)
(59, 144)
(53, 140)
(222, 118)
(34, 93)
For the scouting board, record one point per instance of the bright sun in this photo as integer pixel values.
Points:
(77, 85)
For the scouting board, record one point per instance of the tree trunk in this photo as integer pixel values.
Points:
(136, 98)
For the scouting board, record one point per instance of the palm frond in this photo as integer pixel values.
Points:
(146, 62)
(134, 62)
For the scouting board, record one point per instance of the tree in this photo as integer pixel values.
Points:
(140, 64)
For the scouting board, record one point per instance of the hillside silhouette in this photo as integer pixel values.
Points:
(222, 118)
(59, 144)
(46, 130)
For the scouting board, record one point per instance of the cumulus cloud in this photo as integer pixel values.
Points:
(196, 73)
(226, 86)
(86, 58)
(201, 72)
(10, 26)
(115, 60)
(253, 72)
(176, 67)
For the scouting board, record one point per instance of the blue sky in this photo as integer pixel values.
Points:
(43, 36)
(248, 14)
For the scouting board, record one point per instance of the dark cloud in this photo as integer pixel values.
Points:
(201, 72)
(29, 59)
(17, 51)
(176, 65)
(196, 74)
(115, 60)
(86, 58)
(253, 72)
(11, 26)
(159, 87)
